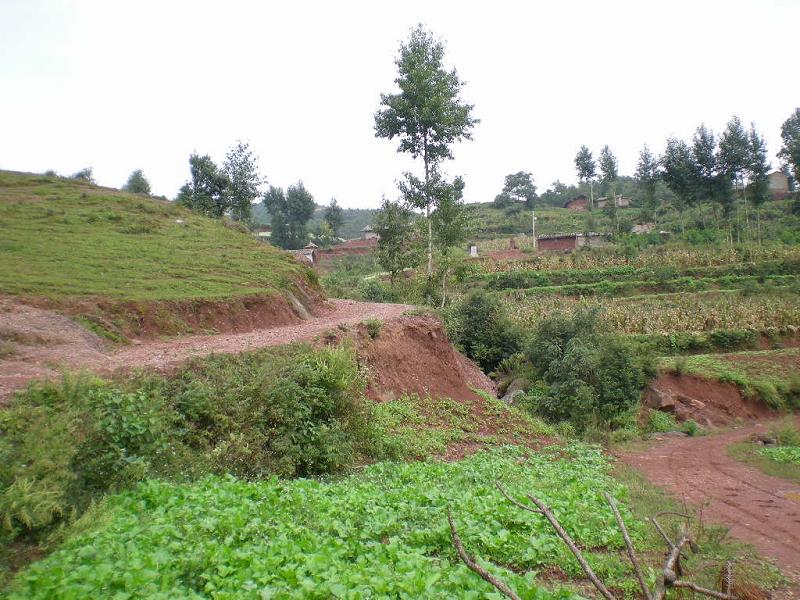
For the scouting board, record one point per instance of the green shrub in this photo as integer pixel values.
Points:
(373, 327)
(288, 411)
(787, 434)
(768, 393)
(691, 428)
(65, 442)
(125, 432)
(660, 422)
(374, 290)
(479, 328)
(681, 364)
(732, 339)
(590, 376)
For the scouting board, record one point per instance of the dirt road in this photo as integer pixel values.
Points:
(54, 342)
(759, 509)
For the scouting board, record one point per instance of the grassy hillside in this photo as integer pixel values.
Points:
(63, 237)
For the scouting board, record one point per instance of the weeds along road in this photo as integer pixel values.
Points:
(66, 345)
(761, 510)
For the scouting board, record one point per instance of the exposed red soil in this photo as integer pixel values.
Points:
(759, 509)
(791, 340)
(349, 247)
(707, 402)
(73, 347)
(413, 355)
(151, 319)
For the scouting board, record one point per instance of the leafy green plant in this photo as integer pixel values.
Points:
(660, 421)
(380, 533)
(691, 428)
(479, 327)
(288, 411)
(373, 327)
(591, 377)
(783, 454)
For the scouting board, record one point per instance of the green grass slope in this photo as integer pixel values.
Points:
(63, 237)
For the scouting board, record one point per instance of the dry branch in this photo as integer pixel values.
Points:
(544, 510)
(628, 546)
(474, 566)
(670, 574)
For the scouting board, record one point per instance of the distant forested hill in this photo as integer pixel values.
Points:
(355, 219)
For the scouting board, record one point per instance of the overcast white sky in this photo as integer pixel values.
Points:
(122, 85)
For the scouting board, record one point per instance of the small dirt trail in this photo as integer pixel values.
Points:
(65, 345)
(759, 509)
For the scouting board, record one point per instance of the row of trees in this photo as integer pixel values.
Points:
(427, 116)
(708, 170)
(231, 190)
(711, 170)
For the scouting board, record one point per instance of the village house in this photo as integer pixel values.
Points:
(621, 202)
(369, 234)
(307, 254)
(577, 203)
(569, 241)
(778, 185)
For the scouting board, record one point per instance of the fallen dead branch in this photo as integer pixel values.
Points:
(671, 572)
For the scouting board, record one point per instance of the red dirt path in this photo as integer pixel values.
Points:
(759, 509)
(67, 345)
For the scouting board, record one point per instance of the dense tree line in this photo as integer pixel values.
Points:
(708, 170)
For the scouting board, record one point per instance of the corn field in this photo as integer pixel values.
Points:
(667, 314)
(656, 256)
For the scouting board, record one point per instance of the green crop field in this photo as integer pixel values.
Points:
(63, 237)
(380, 533)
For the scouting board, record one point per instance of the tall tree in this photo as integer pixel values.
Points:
(519, 187)
(757, 170)
(241, 167)
(584, 164)
(712, 183)
(394, 225)
(450, 224)
(790, 150)
(679, 173)
(334, 217)
(733, 158)
(274, 200)
(608, 170)
(647, 179)
(734, 151)
(137, 183)
(427, 115)
(207, 190)
(289, 214)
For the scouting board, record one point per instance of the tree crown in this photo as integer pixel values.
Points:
(427, 115)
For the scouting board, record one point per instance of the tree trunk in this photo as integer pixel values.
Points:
(428, 210)
(430, 240)
(758, 221)
(444, 285)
